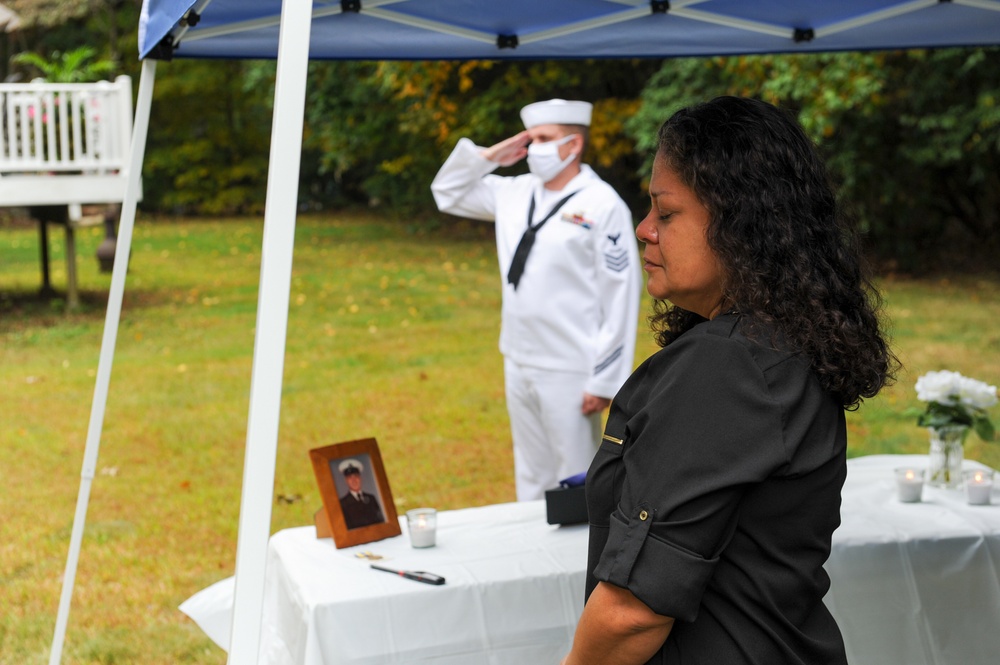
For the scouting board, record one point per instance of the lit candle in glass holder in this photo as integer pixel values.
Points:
(909, 484)
(978, 486)
(422, 525)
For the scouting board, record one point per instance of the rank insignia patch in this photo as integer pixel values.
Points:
(616, 259)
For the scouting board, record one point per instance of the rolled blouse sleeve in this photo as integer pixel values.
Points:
(692, 429)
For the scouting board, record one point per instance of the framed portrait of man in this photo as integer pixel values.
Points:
(357, 502)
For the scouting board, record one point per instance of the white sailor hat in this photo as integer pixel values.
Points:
(349, 466)
(556, 112)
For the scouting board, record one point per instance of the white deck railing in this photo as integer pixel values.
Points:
(65, 127)
(65, 143)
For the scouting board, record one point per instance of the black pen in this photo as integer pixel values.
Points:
(418, 575)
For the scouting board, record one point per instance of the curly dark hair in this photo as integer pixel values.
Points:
(790, 258)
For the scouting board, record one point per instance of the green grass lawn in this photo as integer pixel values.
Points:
(392, 334)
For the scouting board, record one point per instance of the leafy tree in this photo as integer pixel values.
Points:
(913, 137)
(352, 135)
(53, 13)
(947, 108)
(207, 149)
(60, 25)
(74, 66)
(382, 129)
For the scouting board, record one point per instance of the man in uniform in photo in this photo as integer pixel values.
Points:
(359, 508)
(571, 283)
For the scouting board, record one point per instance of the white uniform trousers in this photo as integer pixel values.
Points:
(552, 438)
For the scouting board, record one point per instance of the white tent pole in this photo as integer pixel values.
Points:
(272, 324)
(122, 248)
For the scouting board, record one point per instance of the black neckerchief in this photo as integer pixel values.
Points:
(528, 239)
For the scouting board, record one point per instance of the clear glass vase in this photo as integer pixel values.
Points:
(945, 465)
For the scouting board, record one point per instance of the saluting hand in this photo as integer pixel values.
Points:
(509, 151)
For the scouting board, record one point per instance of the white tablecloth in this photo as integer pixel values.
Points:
(513, 594)
(913, 584)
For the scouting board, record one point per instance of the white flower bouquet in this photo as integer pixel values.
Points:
(956, 400)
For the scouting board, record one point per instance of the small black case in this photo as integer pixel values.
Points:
(566, 505)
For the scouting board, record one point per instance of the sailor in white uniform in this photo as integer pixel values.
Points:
(571, 285)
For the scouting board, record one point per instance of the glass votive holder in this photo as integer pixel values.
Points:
(978, 486)
(909, 484)
(422, 525)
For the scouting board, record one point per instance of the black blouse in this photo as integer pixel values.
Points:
(714, 497)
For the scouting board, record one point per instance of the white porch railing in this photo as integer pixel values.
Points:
(65, 144)
(65, 127)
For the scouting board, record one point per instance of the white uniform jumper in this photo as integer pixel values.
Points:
(570, 325)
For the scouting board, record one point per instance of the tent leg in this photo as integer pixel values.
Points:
(111, 320)
(272, 324)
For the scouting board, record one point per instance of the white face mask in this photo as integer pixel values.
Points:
(543, 158)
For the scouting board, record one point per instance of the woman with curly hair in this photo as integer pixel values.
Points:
(716, 490)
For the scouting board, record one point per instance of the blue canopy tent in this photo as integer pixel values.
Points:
(297, 30)
(473, 29)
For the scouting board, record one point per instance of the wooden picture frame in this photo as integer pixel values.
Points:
(349, 520)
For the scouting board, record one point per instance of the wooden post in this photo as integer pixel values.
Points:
(43, 243)
(72, 294)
